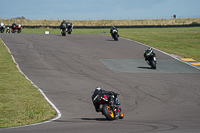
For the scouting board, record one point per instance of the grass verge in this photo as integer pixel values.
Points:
(45, 22)
(20, 101)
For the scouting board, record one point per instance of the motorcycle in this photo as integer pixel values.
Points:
(63, 29)
(14, 28)
(115, 35)
(8, 30)
(151, 60)
(110, 106)
(2, 27)
(19, 28)
(69, 28)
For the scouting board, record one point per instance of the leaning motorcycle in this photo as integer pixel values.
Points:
(115, 35)
(2, 27)
(110, 106)
(69, 28)
(151, 60)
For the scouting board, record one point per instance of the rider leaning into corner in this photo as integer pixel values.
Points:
(148, 52)
(98, 93)
(111, 30)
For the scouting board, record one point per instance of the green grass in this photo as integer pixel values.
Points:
(20, 102)
(180, 41)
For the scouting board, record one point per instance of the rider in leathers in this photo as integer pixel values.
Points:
(70, 24)
(63, 23)
(148, 51)
(97, 97)
(111, 30)
(14, 25)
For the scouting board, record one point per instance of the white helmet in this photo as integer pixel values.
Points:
(98, 89)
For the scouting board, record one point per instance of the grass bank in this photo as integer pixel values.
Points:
(46, 22)
(20, 102)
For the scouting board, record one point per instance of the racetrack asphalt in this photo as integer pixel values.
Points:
(69, 68)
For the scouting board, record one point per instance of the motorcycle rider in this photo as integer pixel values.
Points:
(111, 30)
(98, 93)
(2, 26)
(8, 30)
(63, 24)
(149, 51)
(14, 24)
(69, 24)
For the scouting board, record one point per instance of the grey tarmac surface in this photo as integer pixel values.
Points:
(69, 68)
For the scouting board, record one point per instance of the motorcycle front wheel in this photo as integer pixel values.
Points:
(108, 112)
(115, 37)
(121, 114)
(64, 33)
(153, 64)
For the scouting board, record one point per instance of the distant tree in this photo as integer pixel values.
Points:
(22, 17)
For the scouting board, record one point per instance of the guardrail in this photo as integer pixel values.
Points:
(98, 27)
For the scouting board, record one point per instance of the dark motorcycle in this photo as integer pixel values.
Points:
(69, 28)
(63, 29)
(14, 28)
(19, 28)
(151, 60)
(2, 28)
(110, 106)
(115, 35)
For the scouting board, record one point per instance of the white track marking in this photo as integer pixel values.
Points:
(57, 111)
(163, 53)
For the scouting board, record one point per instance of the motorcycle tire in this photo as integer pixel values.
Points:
(153, 64)
(108, 112)
(69, 32)
(115, 37)
(121, 114)
(64, 33)
(2, 31)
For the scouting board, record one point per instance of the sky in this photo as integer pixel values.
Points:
(99, 9)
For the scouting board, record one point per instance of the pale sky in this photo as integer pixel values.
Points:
(99, 9)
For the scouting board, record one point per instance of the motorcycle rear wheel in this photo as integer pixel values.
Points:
(108, 112)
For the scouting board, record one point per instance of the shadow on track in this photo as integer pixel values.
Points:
(96, 119)
(145, 67)
(110, 40)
